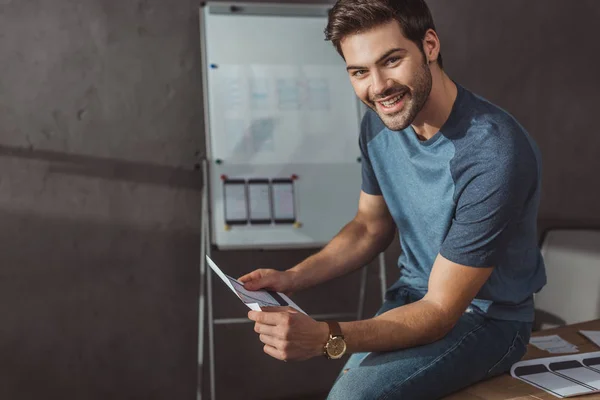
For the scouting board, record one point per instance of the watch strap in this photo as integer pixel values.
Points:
(334, 329)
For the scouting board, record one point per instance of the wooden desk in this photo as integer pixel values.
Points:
(505, 387)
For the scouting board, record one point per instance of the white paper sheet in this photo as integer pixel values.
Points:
(584, 375)
(555, 385)
(553, 344)
(236, 209)
(558, 380)
(260, 201)
(594, 336)
(254, 300)
(283, 201)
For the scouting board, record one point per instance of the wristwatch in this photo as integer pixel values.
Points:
(336, 346)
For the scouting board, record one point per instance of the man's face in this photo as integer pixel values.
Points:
(389, 73)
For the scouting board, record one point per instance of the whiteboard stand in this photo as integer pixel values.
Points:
(206, 297)
(382, 276)
(201, 294)
(205, 290)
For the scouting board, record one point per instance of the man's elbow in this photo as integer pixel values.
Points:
(382, 233)
(443, 321)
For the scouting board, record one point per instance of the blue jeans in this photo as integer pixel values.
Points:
(476, 348)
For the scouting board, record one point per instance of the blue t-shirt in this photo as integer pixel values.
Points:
(470, 193)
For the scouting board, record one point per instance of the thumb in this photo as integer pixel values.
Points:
(257, 283)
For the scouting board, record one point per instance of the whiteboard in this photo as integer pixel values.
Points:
(278, 107)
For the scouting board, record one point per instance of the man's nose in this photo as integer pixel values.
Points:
(379, 84)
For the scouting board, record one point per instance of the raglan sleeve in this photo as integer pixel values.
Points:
(488, 207)
(370, 185)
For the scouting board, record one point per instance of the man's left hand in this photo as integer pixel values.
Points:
(289, 334)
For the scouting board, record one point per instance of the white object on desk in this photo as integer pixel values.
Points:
(553, 344)
(594, 336)
(563, 376)
(572, 259)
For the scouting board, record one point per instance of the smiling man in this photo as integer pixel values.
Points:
(460, 179)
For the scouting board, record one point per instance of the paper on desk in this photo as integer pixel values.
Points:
(553, 344)
(594, 336)
(562, 376)
(253, 299)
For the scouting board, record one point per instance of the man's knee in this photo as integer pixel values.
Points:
(345, 386)
(357, 384)
(368, 384)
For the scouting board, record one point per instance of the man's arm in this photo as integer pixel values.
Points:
(295, 336)
(369, 233)
(452, 287)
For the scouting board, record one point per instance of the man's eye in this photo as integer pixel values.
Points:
(392, 60)
(359, 73)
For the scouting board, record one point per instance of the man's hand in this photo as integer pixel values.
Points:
(289, 334)
(270, 279)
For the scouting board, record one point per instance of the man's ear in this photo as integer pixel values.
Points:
(431, 46)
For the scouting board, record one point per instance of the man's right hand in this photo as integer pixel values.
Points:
(269, 279)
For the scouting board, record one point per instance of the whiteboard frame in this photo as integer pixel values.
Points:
(268, 9)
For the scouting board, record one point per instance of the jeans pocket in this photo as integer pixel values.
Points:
(515, 352)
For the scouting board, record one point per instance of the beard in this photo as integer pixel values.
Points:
(414, 100)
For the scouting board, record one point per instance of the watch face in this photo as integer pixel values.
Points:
(336, 347)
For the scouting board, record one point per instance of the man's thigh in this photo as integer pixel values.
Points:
(475, 349)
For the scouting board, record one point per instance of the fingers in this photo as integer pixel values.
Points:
(270, 318)
(251, 276)
(266, 329)
(258, 279)
(279, 309)
(259, 283)
(272, 341)
(277, 339)
(274, 352)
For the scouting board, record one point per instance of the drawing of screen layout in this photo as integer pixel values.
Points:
(259, 201)
(562, 376)
(264, 298)
(295, 94)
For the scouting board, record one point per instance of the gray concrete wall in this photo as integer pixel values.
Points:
(100, 129)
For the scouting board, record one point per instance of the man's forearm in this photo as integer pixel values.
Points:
(407, 326)
(353, 247)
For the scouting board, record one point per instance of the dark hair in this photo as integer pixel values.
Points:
(352, 16)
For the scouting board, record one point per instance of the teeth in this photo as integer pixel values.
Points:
(393, 101)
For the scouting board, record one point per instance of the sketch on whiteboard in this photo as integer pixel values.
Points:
(236, 202)
(273, 114)
(284, 210)
(259, 200)
(259, 93)
(235, 93)
(318, 94)
(236, 136)
(288, 94)
(262, 135)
